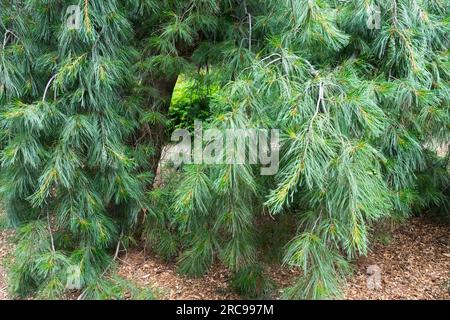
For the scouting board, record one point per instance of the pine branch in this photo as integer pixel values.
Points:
(249, 26)
(50, 231)
(48, 86)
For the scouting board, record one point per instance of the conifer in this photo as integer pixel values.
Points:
(358, 89)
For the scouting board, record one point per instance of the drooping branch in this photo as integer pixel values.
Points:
(48, 86)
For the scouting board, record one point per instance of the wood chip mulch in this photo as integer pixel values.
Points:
(414, 264)
(148, 270)
(6, 248)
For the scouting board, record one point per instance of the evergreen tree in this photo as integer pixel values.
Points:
(360, 109)
(83, 113)
(69, 112)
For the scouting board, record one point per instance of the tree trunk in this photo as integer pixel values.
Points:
(158, 134)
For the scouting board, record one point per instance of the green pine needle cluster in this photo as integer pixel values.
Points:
(84, 116)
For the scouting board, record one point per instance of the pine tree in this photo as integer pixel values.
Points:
(360, 109)
(69, 113)
(359, 101)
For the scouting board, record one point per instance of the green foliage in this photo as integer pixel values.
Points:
(36, 266)
(190, 101)
(357, 108)
(68, 114)
(83, 115)
(116, 288)
(274, 232)
(159, 233)
(4, 223)
(252, 283)
(385, 239)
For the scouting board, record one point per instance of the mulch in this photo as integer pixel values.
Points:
(149, 270)
(6, 247)
(414, 263)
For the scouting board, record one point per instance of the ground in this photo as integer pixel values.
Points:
(414, 265)
(5, 248)
(413, 261)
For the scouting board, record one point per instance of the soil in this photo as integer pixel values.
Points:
(414, 265)
(5, 248)
(413, 262)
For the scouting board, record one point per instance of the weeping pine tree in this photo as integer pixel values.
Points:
(70, 116)
(358, 89)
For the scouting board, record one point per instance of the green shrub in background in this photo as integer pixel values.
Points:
(190, 102)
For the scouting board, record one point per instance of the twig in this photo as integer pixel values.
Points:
(50, 230)
(311, 123)
(394, 12)
(189, 9)
(124, 262)
(293, 13)
(48, 86)
(116, 254)
(117, 250)
(5, 39)
(249, 26)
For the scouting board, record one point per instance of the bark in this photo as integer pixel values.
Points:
(158, 133)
